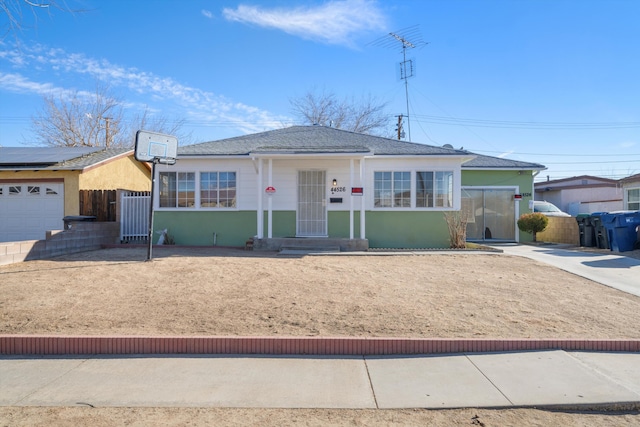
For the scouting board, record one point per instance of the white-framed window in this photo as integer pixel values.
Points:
(392, 189)
(633, 199)
(210, 190)
(177, 189)
(432, 189)
(444, 189)
(217, 189)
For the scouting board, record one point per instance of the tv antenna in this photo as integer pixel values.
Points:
(409, 38)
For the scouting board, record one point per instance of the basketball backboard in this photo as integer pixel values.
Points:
(152, 145)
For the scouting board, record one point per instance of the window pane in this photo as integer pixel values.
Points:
(208, 189)
(382, 189)
(424, 189)
(402, 189)
(33, 189)
(167, 189)
(633, 199)
(186, 189)
(15, 189)
(228, 189)
(444, 189)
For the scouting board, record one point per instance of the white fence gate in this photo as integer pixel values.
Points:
(134, 216)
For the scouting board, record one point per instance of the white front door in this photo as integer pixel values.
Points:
(312, 204)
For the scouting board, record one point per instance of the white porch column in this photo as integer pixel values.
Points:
(260, 213)
(351, 173)
(365, 194)
(270, 202)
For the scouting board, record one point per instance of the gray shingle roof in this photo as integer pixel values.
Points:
(56, 158)
(312, 139)
(490, 162)
(321, 139)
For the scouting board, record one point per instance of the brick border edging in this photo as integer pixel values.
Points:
(336, 346)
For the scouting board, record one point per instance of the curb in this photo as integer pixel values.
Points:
(336, 346)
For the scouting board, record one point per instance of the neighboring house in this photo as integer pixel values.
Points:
(39, 186)
(321, 182)
(581, 194)
(631, 192)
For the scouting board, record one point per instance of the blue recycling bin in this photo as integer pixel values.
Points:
(622, 229)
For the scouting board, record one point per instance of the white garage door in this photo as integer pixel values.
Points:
(28, 210)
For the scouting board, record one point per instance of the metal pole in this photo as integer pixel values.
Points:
(406, 87)
(153, 186)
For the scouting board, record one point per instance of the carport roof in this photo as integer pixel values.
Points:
(482, 162)
(57, 158)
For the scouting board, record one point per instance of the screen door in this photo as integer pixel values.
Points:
(312, 204)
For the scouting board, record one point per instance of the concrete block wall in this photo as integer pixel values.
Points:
(561, 230)
(77, 237)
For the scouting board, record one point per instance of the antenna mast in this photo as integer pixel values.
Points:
(409, 38)
(403, 73)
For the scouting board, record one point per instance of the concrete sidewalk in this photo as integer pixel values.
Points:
(611, 269)
(492, 380)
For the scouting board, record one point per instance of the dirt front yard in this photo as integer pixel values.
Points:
(232, 292)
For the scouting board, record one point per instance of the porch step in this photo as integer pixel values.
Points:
(299, 250)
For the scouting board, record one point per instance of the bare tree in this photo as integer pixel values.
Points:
(366, 115)
(17, 11)
(79, 119)
(154, 123)
(83, 119)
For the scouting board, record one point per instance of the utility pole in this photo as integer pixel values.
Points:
(399, 128)
(107, 121)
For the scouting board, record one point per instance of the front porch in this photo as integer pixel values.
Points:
(310, 244)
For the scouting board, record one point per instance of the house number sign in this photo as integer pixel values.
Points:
(335, 190)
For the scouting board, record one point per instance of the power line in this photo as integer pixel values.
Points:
(588, 163)
(559, 155)
(506, 124)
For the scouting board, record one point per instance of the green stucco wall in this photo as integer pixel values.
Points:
(339, 224)
(284, 223)
(498, 178)
(383, 229)
(407, 230)
(197, 228)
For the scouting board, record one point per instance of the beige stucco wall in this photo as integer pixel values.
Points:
(126, 173)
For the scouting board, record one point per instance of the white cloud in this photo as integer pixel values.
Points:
(335, 22)
(19, 84)
(627, 144)
(194, 103)
(206, 13)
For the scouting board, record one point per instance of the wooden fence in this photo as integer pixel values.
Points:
(99, 203)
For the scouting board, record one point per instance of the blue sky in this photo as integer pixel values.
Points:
(548, 81)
